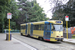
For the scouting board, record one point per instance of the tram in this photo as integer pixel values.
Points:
(51, 30)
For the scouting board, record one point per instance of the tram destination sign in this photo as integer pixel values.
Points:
(58, 21)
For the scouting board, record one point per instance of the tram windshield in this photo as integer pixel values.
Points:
(58, 27)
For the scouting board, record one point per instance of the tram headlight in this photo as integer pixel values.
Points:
(57, 36)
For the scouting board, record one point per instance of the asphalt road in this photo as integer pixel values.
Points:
(43, 45)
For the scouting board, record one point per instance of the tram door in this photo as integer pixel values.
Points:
(31, 31)
(47, 31)
(26, 30)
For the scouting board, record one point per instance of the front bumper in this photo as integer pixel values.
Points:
(59, 39)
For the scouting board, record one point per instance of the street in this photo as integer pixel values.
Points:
(43, 45)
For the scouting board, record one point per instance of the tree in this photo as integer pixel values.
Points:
(30, 12)
(5, 7)
(37, 13)
(67, 9)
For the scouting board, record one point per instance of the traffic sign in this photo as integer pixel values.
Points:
(66, 18)
(9, 15)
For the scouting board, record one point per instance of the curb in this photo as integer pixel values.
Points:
(69, 42)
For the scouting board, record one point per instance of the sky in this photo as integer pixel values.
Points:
(46, 6)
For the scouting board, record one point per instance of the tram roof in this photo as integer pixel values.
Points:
(43, 22)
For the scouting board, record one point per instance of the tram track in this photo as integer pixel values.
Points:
(34, 42)
(44, 45)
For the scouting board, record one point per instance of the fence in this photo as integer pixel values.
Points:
(69, 33)
(12, 31)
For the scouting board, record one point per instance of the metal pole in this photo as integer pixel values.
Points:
(9, 29)
(67, 29)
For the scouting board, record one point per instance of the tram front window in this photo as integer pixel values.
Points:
(58, 27)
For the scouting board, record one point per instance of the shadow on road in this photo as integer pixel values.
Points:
(57, 42)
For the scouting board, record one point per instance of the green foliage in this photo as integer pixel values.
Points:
(7, 6)
(37, 13)
(22, 12)
(63, 10)
(30, 12)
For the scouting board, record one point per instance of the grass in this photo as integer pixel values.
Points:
(73, 37)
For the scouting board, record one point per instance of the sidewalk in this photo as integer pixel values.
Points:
(13, 44)
(69, 40)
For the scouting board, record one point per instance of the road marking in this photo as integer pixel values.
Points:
(26, 45)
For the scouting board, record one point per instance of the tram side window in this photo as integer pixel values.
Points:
(23, 27)
(39, 27)
(36, 27)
